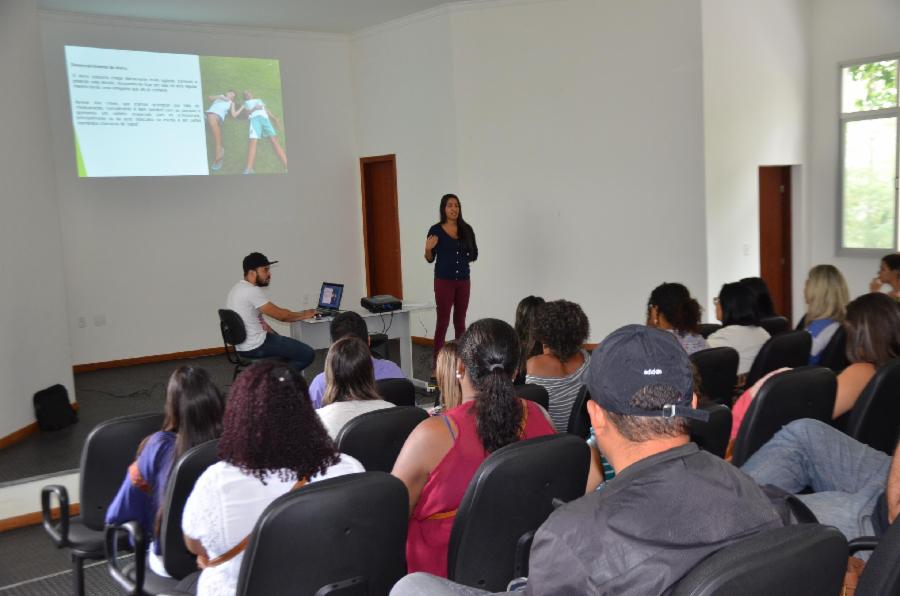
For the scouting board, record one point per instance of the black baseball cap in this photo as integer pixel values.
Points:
(256, 260)
(637, 356)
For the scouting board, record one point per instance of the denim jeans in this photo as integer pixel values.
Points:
(846, 476)
(298, 354)
(416, 584)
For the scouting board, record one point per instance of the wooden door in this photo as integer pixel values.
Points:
(381, 225)
(775, 234)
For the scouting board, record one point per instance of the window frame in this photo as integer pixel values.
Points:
(843, 119)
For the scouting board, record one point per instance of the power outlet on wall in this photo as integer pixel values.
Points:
(745, 249)
(99, 320)
(82, 323)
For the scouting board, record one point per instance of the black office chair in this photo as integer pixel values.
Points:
(344, 536)
(713, 434)
(233, 333)
(834, 356)
(137, 577)
(775, 325)
(376, 438)
(805, 392)
(800, 560)
(400, 392)
(707, 329)
(882, 573)
(717, 368)
(509, 497)
(536, 393)
(789, 349)
(875, 418)
(579, 421)
(108, 451)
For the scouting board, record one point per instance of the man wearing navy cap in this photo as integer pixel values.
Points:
(250, 302)
(669, 505)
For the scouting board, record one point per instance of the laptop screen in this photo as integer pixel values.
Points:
(330, 295)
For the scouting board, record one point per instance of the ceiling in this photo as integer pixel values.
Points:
(331, 16)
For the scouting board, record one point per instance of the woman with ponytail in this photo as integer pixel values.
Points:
(672, 308)
(442, 454)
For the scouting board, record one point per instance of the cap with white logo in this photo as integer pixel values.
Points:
(634, 357)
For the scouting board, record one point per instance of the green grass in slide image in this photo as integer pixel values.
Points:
(79, 160)
(261, 77)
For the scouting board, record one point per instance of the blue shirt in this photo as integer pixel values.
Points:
(384, 369)
(451, 258)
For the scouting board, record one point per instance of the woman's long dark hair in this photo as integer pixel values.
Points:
(526, 314)
(271, 427)
(489, 350)
(675, 303)
(873, 329)
(761, 296)
(464, 231)
(349, 374)
(738, 305)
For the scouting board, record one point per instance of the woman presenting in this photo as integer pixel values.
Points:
(451, 243)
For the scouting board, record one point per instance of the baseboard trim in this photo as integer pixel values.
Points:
(23, 433)
(422, 341)
(80, 368)
(32, 519)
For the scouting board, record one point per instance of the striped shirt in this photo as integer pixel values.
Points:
(562, 392)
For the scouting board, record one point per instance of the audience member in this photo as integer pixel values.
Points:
(888, 275)
(350, 324)
(194, 408)
(736, 308)
(272, 443)
(672, 308)
(670, 505)
(447, 382)
(442, 454)
(826, 296)
(855, 488)
(350, 389)
(526, 313)
(765, 308)
(562, 328)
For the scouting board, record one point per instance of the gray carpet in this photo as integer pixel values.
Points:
(106, 394)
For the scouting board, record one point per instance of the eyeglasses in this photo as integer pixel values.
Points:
(716, 300)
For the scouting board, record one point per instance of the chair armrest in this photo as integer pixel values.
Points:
(136, 537)
(863, 543)
(523, 552)
(59, 532)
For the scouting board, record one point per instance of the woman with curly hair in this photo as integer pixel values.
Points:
(562, 328)
(442, 454)
(194, 408)
(272, 443)
(672, 308)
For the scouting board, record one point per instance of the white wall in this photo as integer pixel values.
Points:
(755, 78)
(840, 31)
(156, 256)
(35, 351)
(577, 131)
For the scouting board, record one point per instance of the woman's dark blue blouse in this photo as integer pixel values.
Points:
(451, 259)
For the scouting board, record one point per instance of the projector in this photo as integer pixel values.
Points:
(381, 303)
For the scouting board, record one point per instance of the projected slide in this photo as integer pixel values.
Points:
(154, 114)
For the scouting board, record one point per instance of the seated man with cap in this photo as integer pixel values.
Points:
(250, 302)
(669, 505)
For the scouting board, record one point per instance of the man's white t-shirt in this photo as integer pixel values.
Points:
(245, 299)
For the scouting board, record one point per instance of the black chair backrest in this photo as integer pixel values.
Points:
(789, 349)
(579, 421)
(799, 560)
(834, 356)
(344, 535)
(400, 392)
(775, 325)
(875, 418)
(717, 368)
(713, 434)
(376, 438)
(805, 392)
(232, 326)
(882, 573)
(707, 329)
(509, 497)
(536, 393)
(176, 558)
(108, 451)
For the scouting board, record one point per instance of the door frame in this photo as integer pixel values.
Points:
(787, 206)
(363, 162)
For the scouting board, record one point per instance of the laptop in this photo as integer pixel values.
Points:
(330, 299)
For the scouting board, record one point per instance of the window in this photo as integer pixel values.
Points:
(869, 136)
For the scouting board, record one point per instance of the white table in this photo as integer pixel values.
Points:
(316, 333)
